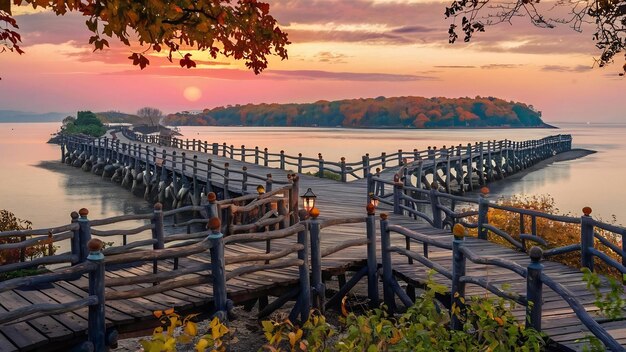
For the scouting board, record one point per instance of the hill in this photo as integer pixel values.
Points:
(397, 112)
(120, 117)
(21, 116)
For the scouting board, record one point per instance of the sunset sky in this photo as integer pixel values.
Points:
(340, 49)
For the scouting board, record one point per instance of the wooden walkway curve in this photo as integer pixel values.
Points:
(335, 200)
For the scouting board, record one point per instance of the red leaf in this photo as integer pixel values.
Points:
(156, 48)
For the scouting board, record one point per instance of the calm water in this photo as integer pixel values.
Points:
(47, 195)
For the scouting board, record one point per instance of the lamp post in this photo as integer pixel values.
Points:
(308, 200)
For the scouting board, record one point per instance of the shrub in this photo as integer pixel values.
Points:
(490, 326)
(555, 233)
(9, 222)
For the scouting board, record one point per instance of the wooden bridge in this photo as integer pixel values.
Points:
(266, 247)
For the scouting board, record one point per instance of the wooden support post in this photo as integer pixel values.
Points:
(157, 233)
(224, 148)
(481, 164)
(211, 207)
(84, 233)
(400, 157)
(385, 244)
(483, 209)
(215, 148)
(218, 270)
(268, 183)
(397, 194)
(265, 157)
(372, 264)
(226, 179)
(435, 207)
(294, 197)
(320, 171)
(243, 153)
(419, 174)
(457, 291)
(96, 324)
(366, 165)
(304, 299)
(256, 155)
(75, 242)
(344, 172)
(244, 179)
(383, 160)
(319, 288)
(194, 181)
(299, 163)
(586, 239)
(534, 289)
(63, 150)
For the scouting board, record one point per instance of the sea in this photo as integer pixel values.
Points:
(34, 185)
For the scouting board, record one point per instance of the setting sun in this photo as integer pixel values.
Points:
(192, 93)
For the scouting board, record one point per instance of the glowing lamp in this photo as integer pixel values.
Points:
(260, 189)
(308, 200)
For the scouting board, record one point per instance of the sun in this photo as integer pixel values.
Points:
(192, 93)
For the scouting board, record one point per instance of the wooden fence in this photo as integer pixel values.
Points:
(439, 210)
(486, 160)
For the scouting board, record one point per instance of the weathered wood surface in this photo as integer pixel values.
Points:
(334, 200)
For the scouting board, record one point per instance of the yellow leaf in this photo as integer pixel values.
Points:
(202, 345)
(292, 339)
(191, 329)
(499, 321)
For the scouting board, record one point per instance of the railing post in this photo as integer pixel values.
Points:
(243, 153)
(385, 244)
(218, 270)
(400, 157)
(397, 192)
(344, 175)
(215, 147)
(244, 179)
(435, 206)
(282, 160)
(268, 183)
(483, 209)
(299, 163)
(372, 264)
(75, 243)
(211, 206)
(84, 233)
(383, 160)
(304, 299)
(256, 155)
(294, 197)
(265, 157)
(316, 262)
(320, 171)
(96, 330)
(586, 239)
(457, 291)
(366, 165)
(157, 233)
(226, 179)
(534, 289)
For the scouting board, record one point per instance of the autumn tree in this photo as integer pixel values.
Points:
(243, 29)
(153, 115)
(609, 17)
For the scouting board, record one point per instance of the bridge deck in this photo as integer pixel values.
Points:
(335, 199)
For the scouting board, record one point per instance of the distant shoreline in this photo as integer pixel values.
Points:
(545, 126)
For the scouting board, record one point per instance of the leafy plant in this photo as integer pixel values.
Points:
(9, 222)
(176, 330)
(283, 335)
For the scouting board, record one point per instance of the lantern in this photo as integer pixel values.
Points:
(308, 200)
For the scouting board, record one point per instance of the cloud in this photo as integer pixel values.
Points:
(279, 75)
(499, 66)
(454, 66)
(335, 58)
(560, 68)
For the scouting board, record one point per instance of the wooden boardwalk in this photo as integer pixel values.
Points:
(335, 200)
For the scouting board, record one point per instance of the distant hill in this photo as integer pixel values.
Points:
(21, 116)
(120, 117)
(381, 112)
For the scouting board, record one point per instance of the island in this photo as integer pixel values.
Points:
(381, 112)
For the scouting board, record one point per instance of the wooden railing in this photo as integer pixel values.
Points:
(162, 176)
(490, 156)
(439, 209)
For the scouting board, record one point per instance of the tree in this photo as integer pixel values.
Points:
(608, 15)
(153, 115)
(244, 30)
